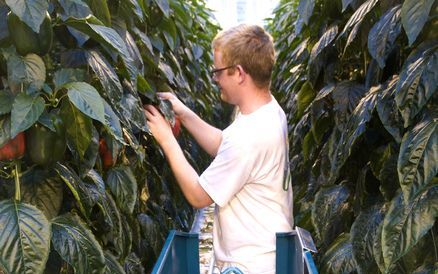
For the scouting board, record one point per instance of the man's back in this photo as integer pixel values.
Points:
(246, 182)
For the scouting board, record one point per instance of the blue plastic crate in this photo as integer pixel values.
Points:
(180, 255)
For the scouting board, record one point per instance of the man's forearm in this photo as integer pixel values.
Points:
(207, 136)
(185, 175)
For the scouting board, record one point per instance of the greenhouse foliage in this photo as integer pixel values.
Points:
(83, 186)
(358, 81)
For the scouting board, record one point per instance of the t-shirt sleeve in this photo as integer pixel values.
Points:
(228, 172)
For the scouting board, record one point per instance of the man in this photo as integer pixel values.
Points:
(247, 176)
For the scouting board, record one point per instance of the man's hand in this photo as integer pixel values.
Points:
(180, 110)
(185, 175)
(158, 125)
(207, 136)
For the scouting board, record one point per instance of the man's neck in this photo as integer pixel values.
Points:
(255, 101)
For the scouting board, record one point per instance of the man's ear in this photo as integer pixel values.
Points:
(241, 74)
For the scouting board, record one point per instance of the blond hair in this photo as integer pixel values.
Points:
(249, 46)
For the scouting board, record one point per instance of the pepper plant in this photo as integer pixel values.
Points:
(358, 81)
(83, 186)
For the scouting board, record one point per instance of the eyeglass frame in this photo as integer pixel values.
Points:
(214, 71)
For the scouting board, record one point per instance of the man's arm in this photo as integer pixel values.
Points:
(185, 175)
(207, 136)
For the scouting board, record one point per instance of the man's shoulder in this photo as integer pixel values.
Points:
(254, 138)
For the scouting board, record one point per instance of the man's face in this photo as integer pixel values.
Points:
(225, 81)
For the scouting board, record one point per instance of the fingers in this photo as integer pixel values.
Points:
(165, 95)
(151, 109)
(151, 113)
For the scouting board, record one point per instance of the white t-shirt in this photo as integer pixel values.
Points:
(245, 180)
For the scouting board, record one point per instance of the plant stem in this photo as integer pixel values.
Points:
(434, 243)
(17, 181)
(5, 175)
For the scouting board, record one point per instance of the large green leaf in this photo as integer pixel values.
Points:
(133, 264)
(123, 185)
(304, 98)
(167, 71)
(387, 174)
(124, 243)
(43, 190)
(144, 39)
(305, 11)
(363, 232)
(4, 32)
(134, 7)
(169, 31)
(406, 223)
(427, 269)
(133, 112)
(322, 119)
(308, 145)
(87, 162)
(136, 63)
(86, 98)
(420, 254)
(157, 42)
(106, 75)
(345, 4)
(355, 21)
(112, 123)
(6, 100)
(30, 12)
(74, 58)
(25, 112)
(339, 257)
(95, 177)
(119, 233)
(377, 249)
(79, 128)
(300, 53)
(115, 224)
(388, 111)
(145, 89)
(67, 75)
(346, 96)
(418, 158)
(325, 91)
(400, 266)
(26, 73)
(76, 9)
(77, 245)
(354, 129)
(418, 81)
(24, 238)
(382, 36)
(150, 230)
(112, 265)
(325, 40)
(71, 179)
(107, 37)
(100, 10)
(414, 14)
(164, 6)
(5, 129)
(330, 212)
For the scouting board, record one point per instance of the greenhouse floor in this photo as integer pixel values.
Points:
(204, 226)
